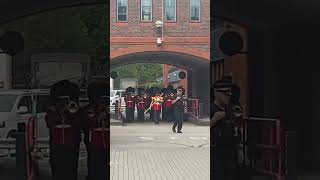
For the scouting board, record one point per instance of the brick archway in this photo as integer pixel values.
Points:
(153, 48)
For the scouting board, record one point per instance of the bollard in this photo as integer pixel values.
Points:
(291, 155)
(21, 152)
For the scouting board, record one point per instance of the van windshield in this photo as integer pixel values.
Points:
(112, 93)
(7, 102)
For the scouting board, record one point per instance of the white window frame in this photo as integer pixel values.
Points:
(165, 12)
(151, 11)
(118, 11)
(191, 12)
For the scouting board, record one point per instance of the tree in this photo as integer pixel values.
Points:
(145, 73)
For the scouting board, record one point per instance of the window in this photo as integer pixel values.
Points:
(171, 10)
(26, 101)
(122, 10)
(195, 10)
(42, 103)
(6, 102)
(146, 10)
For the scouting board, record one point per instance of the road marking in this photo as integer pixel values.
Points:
(154, 134)
(198, 138)
(146, 137)
(173, 137)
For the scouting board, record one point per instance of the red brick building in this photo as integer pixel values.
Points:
(185, 35)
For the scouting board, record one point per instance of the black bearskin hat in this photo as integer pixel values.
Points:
(97, 90)
(140, 91)
(65, 89)
(130, 90)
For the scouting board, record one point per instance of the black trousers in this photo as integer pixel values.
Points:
(151, 115)
(156, 117)
(129, 114)
(88, 161)
(178, 119)
(169, 114)
(64, 162)
(100, 164)
(141, 115)
(224, 163)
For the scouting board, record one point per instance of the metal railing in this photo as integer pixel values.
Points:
(264, 145)
(194, 108)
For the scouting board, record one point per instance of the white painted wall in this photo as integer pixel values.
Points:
(5, 71)
(111, 84)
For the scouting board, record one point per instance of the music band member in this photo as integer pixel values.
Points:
(178, 108)
(98, 121)
(63, 120)
(130, 105)
(225, 139)
(156, 106)
(141, 102)
(168, 106)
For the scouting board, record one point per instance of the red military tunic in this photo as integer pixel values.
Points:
(157, 103)
(99, 127)
(168, 101)
(129, 101)
(142, 102)
(64, 127)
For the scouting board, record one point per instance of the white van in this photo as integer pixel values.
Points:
(115, 96)
(16, 106)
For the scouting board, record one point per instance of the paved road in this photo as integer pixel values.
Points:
(8, 168)
(154, 152)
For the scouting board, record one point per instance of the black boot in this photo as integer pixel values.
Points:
(174, 129)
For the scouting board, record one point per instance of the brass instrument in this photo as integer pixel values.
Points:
(237, 110)
(153, 102)
(102, 120)
(73, 107)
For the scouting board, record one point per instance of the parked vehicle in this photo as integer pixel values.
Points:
(115, 96)
(16, 106)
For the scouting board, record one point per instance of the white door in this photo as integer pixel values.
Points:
(42, 108)
(24, 101)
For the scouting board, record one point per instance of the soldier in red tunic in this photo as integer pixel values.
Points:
(99, 132)
(156, 106)
(141, 102)
(130, 106)
(63, 121)
(168, 105)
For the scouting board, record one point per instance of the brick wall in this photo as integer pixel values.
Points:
(182, 28)
(182, 33)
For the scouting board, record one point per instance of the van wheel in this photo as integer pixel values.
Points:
(11, 134)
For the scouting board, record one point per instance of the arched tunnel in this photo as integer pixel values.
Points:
(197, 67)
(283, 52)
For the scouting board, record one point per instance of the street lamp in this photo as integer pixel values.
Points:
(159, 26)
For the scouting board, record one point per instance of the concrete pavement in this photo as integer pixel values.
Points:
(154, 152)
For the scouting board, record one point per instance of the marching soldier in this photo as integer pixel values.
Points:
(164, 109)
(141, 104)
(156, 104)
(168, 105)
(178, 108)
(151, 95)
(63, 120)
(130, 106)
(98, 121)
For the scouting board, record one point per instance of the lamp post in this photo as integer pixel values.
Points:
(159, 26)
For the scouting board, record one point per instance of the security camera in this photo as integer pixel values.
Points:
(159, 41)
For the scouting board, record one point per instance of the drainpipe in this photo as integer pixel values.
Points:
(162, 21)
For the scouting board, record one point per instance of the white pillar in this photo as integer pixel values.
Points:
(111, 84)
(5, 71)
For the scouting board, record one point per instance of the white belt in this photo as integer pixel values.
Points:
(101, 129)
(63, 126)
